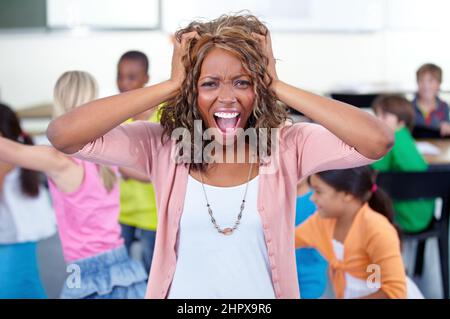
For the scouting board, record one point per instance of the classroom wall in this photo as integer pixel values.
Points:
(30, 62)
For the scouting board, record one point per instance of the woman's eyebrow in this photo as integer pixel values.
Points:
(217, 77)
(212, 77)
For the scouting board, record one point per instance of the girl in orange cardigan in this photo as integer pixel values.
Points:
(353, 230)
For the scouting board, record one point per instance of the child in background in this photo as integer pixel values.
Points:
(396, 111)
(311, 266)
(138, 218)
(430, 110)
(26, 217)
(86, 202)
(353, 230)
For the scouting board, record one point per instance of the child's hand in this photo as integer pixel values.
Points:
(266, 45)
(445, 129)
(179, 49)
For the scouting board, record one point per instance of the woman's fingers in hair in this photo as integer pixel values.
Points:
(179, 50)
(186, 37)
(266, 44)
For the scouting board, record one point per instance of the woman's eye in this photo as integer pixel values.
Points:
(209, 84)
(242, 83)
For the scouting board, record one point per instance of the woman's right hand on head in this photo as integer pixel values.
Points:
(179, 50)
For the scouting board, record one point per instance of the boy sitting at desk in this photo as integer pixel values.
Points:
(398, 113)
(431, 112)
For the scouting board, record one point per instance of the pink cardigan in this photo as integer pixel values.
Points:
(303, 150)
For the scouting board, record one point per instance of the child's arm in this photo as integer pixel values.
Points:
(73, 130)
(383, 249)
(39, 158)
(367, 134)
(5, 168)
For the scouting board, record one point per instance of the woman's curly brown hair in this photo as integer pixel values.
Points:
(234, 34)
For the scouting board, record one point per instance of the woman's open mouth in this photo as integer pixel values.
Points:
(227, 122)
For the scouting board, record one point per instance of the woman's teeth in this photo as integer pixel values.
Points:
(227, 121)
(226, 115)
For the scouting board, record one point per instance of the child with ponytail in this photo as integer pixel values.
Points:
(26, 217)
(352, 228)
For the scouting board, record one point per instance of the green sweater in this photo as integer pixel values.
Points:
(412, 215)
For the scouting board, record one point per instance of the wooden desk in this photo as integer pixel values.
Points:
(444, 147)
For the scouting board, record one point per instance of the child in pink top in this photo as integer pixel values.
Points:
(87, 218)
(223, 79)
(86, 202)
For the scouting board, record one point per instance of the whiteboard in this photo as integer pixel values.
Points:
(413, 15)
(285, 15)
(108, 14)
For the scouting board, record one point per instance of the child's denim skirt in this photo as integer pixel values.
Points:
(110, 275)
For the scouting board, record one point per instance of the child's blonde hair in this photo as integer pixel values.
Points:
(73, 89)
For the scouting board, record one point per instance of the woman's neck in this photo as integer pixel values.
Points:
(224, 172)
(233, 154)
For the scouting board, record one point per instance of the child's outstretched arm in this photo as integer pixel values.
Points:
(73, 130)
(367, 134)
(5, 168)
(34, 157)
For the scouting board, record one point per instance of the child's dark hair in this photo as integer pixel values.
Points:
(361, 183)
(395, 104)
(10, 129)
(136, 56)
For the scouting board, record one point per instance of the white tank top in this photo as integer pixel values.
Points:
(24, 218)
(212, 265)
(356, 288)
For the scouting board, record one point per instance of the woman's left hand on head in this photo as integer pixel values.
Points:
(266, 45)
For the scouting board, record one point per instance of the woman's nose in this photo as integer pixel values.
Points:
(226, 94)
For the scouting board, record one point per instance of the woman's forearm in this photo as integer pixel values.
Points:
(71, 131)
(128, 173)
(355, 127)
